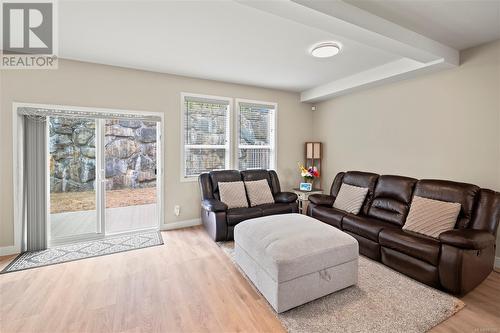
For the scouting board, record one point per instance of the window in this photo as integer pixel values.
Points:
(207, 139)
(206, 133)
(256, 135)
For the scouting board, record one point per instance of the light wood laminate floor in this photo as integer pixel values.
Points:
(187, 285)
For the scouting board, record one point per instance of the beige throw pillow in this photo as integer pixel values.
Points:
(259, 192)
(233, 194)
(350, 198)
(431, 217)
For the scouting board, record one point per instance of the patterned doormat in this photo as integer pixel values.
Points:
(77, 251)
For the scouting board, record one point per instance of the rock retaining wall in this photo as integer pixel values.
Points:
(130, 154)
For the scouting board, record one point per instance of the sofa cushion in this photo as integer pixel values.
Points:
(277, 208)
(259, 192)
(449, 191)
(391, 198)
(259, 174)
(350, 198)
(223, 176)
(362, 179)
(412, 244)
(328, 215)
(431, 217)
(236, 215)
(365, 226)
(233, 194)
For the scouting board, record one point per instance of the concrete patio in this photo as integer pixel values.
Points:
(118, 219)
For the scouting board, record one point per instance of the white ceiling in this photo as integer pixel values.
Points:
(262, 43)
(457, 23)
(220, 40)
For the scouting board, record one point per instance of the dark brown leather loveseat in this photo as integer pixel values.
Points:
(456, 262)
(220, 221)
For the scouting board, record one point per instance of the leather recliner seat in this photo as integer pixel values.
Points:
(219, 221)
(456, 262)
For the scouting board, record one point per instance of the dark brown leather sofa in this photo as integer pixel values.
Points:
(456, 262)
(220, 221)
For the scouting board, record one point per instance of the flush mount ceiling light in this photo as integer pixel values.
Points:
(325, 50)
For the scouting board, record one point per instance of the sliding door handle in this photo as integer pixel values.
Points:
(101, 176)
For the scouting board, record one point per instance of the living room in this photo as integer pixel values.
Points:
(378, 121)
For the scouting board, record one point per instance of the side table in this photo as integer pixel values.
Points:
(303, 198)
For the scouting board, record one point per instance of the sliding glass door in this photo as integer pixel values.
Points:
(103, 173)
(74, 204)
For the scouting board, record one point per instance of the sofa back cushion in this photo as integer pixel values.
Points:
(392, 198)
(269, 175)
(223, 176)
(233, 194)
(259, 192)
(449, 191)
(431, 217)
(362, 179)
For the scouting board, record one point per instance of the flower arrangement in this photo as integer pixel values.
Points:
(309, 174)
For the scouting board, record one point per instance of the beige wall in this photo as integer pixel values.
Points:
(85, 84)
(444, 125)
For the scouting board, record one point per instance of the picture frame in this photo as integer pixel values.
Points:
(305, 187)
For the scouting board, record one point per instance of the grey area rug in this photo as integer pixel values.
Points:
(382, 301)
(84, 250)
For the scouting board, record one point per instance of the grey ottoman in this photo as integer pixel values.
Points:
(293, 259)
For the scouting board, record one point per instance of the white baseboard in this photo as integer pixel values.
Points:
(497, 263)
(8, 250)
(181, 224)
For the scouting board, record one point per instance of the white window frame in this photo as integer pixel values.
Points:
(227, 146)
(273, 137)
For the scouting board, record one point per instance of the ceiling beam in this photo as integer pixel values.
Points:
(394, 71)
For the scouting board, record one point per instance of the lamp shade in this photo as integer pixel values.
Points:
(316, 150)
(313, 150)
(309, 150)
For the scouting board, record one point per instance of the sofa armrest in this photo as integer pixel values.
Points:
(467, 238)
(285, 197)
(213, 205)
(322, 199)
